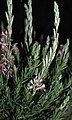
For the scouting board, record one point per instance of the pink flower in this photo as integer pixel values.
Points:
(4, 48)
(3, 59)
(3, 69)
(3, 39)
(9, 71)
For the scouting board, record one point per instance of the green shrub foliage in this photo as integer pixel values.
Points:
(39, 91)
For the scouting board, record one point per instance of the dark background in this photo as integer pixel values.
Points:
(43, 19)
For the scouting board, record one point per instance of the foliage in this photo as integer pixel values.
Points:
(39, 92)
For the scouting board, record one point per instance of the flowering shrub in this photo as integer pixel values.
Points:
(37, 93)
(7, 57)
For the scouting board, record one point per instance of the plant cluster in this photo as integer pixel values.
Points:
(39, 91)
(7, 56)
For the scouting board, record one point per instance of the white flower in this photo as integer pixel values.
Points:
(36, 84)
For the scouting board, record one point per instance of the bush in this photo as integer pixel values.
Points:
(38, 91)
